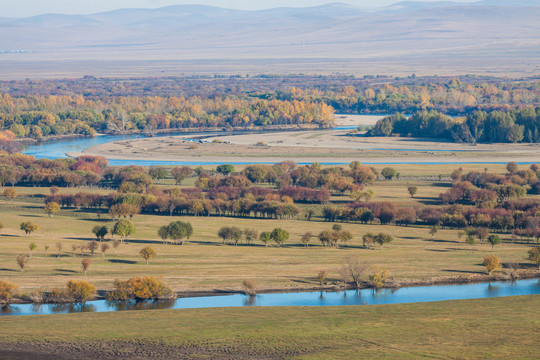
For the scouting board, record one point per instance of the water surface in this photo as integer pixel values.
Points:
(325, 298)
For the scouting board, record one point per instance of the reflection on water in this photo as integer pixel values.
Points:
(319, 298)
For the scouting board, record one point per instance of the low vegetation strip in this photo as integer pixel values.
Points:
(499, 328)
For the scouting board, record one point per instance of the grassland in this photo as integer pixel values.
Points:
(497, 328)
(205, 264)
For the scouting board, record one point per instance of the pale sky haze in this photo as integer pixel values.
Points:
(25, 8)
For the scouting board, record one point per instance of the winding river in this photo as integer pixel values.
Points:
(350, 297)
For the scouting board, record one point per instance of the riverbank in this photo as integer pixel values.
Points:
(450, 280)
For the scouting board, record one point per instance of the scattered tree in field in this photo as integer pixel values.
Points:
(92, 246)
(432, 231)
(382, 239)
(471, 240)
(46, 248)
(54, 190)
(280, 236)
(8, 291)
(28, 227)
(163, 233)
(460, 234)
(534, 255)
(59, 248)
(176, 231)
(265, 237)
(140, 288)
(85, 264)
(492, 263)
(321, 276)
(494, 240)
(306, 238)
(147, 253)
(379, 278)
(104, 248)
(249, 287)
(22, 260)
(230, 233)
(116, 245)
(412, 189)
(225, 169)
(51, 208)
(10, 194)
(32, 246)
(250, 235)
(388, 173)
(481, 233)
(1, 226)
(369, 240)
(123, 228)
(100, 232)
(81, 291)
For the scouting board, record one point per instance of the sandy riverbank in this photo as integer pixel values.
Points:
(310, 146)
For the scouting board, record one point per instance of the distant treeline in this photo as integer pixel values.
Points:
(88, 105)
(512, 126)
(38, 116)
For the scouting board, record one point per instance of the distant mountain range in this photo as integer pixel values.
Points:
(417, 33)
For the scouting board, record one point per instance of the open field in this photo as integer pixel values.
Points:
(312, 146)
(497, 328)
(206, 264)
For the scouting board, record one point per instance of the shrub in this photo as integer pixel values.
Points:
(379, 278)
(59, 296)
(249, 287)
(140, 288)
(80, 291)
(8, 291)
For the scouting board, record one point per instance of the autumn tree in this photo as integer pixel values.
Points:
(534, 255)
(104, 248)
(492, 263)
(51, 208)
(85, 264)
(250, 235)
(116, 245)
(8, 291)
(379, 278)
(147, 253)
(10, 193)
(432, 231)
(80, 291)
(354, 269)
(321, 276)
(93, 246)
(180, 173)
(28, 227)
(22, 260)
(59, 248)
(123, 228)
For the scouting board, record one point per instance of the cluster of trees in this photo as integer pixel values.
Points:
(39, 116)
(176, 231)
(508, 126)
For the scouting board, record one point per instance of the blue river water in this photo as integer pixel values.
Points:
(325, 298)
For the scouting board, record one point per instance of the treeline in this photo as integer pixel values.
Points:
(511, 126)
(39, 116)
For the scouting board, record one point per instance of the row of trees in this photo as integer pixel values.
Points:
(511, 126)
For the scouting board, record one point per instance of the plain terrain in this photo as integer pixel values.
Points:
(497, 328)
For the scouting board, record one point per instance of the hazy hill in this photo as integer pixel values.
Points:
(488, 36)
